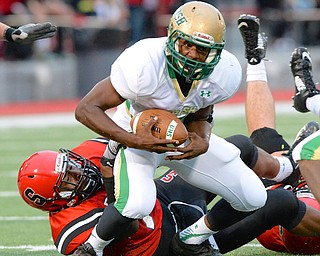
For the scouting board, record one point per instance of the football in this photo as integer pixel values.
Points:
(168, 126)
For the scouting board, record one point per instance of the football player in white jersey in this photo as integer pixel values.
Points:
(187, 73)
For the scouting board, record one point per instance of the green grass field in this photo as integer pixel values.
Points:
(25, 231)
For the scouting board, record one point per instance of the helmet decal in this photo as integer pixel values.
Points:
(59, 162)
(33, 197)
(203, 37)
(179, 17)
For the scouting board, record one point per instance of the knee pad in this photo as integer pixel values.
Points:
(288, 213)
(249, 152)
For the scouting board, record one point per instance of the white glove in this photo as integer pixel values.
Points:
(30, 32)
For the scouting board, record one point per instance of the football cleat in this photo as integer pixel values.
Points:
(301, 68)
(85, 250)
(255, 43)
(308, 129)
(179, 248)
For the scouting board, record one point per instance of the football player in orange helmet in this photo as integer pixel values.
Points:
(68, 184)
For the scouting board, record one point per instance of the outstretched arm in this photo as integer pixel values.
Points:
(27, 33)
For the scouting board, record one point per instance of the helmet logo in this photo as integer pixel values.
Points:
(179, 17)
(203, 37)
(61, 158)
(35, 198)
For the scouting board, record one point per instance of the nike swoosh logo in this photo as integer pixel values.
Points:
(243, 23)
(306, 55)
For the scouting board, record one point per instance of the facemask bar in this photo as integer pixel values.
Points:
(86, 173)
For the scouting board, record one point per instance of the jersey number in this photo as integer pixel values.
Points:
(169, 177)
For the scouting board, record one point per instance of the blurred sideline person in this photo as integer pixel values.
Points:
(27, 33)
(304, 237)
(186, 73)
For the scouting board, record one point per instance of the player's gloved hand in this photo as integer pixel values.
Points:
(110, 153)
(30, 32)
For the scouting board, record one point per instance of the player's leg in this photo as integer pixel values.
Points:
(221, 172)
(182, 204)
(275, 168)
(288, 213)
(260, 110)
(307, 96)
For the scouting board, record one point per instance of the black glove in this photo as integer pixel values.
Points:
(31, 32)
(110, 153)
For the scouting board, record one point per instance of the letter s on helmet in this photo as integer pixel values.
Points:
(42, 179)
(198, 23)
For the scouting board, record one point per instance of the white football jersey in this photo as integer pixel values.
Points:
(141, 76)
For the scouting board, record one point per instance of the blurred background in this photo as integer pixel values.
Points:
(92, 33)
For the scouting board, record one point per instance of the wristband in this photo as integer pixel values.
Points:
(7, 34)
(107, 162)
(109, 187)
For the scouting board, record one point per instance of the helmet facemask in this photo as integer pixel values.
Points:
(192, 69)
(87, 177)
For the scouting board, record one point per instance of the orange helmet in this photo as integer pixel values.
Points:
(43, 176)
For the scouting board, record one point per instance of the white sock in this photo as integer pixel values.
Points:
(97, 243)
(257, 72)
(196, 233)
(286, 168)
(313, 104)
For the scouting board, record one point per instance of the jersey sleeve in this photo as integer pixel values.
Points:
(134, 73)
(72, 226)
(226, 85)
(271, 240)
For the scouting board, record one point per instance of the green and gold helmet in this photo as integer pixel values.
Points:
(201, 24)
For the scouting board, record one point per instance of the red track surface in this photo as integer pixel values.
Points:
(38, 107)
(58, 106)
